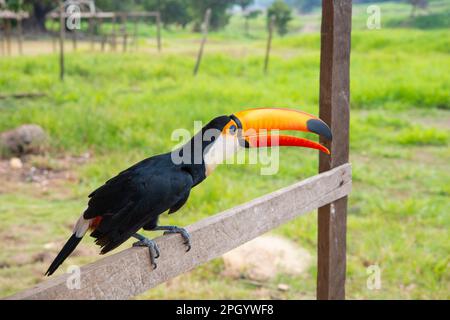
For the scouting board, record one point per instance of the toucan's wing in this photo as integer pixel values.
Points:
(118, 191)
(136, 196)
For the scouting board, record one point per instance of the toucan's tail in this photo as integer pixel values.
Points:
(68, 248)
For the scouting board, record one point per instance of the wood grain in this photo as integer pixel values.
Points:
(128, 273)
(269, 43)
(335, 110)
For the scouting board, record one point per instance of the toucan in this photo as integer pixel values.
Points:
(136, 197)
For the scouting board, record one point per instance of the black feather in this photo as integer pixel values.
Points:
(68, 248)
(136, 197)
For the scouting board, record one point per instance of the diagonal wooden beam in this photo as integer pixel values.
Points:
(128, 273)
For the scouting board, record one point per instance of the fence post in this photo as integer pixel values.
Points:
(135, 33)
(74, 40)
(2, 39)
(334, 109)
(113, 34)
(202, 45)
(62, 29)
(269, 42)
(19, 34)
(102, 34)
(91, 22)
(158, 30)
(8, 36)
(123, 19)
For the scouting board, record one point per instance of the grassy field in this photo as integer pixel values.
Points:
(114, 109)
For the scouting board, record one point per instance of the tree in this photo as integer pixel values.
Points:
(304, 5)
(172, 11)
(250, 15)
(219, 15)
(37, 8)
(418, 4)
(282, 13)
(244, 4)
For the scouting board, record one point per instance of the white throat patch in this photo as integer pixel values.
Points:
(221, 149)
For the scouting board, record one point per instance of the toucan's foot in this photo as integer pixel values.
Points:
(173, 229)
(151, 245)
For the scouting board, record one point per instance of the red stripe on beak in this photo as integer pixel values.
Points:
(282, 141)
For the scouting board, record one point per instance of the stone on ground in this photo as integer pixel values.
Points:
(266, 256)
(26, 139)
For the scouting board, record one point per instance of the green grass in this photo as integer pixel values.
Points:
(123, 107)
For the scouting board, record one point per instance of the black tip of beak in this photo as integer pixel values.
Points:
(319, 127)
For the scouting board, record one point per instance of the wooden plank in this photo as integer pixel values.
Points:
(334, 109)
(88, 15)
(22, 95)
(7, 14)
(128, 273)
(202, 44)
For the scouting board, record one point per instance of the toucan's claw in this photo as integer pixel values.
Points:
(173, 229)
(152, 248)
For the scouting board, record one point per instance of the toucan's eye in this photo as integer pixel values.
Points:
(233, 129)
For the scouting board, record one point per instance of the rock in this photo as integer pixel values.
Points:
(20, 259)
(283, 287)
(15, 163)
(264, 257)
(26, 139)
(45, 257)
(50, 245)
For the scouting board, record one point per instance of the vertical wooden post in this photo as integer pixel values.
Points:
(269, 43)
(8, 36)
(2, 39)
(62, 30)
(202, 45)
(103, 36)
(334, 109)
(158, 30)
(19, 34)
(53, 43)
(124, 31)
(92, 31)
(135, 33)
(113, 34)
(53, 35)
(74, 39)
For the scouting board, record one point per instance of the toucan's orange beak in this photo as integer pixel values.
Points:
(252, 122)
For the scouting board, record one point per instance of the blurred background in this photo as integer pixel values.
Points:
(123, 95)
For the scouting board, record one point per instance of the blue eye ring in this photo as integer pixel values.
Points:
(233, 129)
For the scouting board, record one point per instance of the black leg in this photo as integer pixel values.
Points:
(151, 245)
(174, 229)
